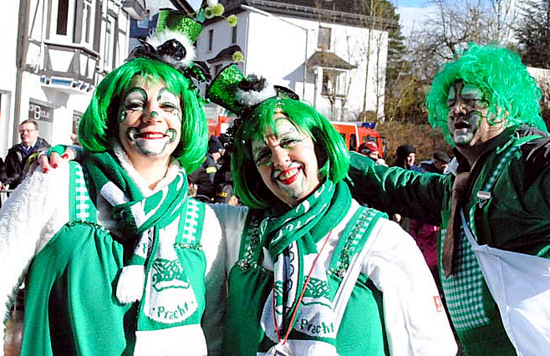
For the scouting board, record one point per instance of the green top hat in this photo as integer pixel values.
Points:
(176, 21)
(223, 89)
(240, 94)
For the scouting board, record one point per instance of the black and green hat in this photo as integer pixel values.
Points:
(172, 41)
(239, 94)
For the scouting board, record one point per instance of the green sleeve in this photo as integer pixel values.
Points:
(421, 196)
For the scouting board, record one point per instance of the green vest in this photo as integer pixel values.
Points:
(70, 306)
(362, 326)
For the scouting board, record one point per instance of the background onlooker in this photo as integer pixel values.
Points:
(203, 177)
(438, 164)
(215, 148)
(12, 173)
(223, 181)
(440, 161)
(370, 149)
(406, 158)
(424, 234)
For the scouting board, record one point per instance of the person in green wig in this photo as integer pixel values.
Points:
(494, 214)
(310, 271)
(117, 259)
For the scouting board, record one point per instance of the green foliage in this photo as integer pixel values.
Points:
(405, 100)
(396, 64)
(533, 33)
(423, 136)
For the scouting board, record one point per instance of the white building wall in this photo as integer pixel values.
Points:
(8, 45)
(276, 47)
(276, 50)
(63, 102)
(352, 45)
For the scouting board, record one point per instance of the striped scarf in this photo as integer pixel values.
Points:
(292, 240)
(154, 275)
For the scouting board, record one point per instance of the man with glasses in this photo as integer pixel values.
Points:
(12, 173)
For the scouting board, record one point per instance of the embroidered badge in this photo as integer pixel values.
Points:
(168, 274)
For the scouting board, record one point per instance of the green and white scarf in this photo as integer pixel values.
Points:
(291, 240)
(154, 275)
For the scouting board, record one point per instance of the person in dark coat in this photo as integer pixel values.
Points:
(12, 172)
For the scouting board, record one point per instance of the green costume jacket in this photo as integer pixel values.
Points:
(512, 213)
(76, 258)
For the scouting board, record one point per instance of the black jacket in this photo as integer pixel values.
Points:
(12, 172)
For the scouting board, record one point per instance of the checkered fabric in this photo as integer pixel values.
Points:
(464, 288)
(84, 209)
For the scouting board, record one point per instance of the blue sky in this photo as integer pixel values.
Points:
(412, 14)
(409, 3)
(195, 3)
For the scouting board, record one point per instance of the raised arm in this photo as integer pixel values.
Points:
(397, 190)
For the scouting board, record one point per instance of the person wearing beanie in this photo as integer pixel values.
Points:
(406, 157)
(215, 148)
(440, 161)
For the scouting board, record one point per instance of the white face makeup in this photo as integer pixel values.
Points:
(149, 121)
(287, 162)
(467, 119)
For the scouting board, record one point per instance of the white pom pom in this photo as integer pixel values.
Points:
(252, 97)
(211, 2)
(130, 284)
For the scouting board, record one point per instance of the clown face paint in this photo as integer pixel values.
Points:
(149, 121)
(287, 162)
(467, 119)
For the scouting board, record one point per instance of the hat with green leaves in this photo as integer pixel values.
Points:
(239, 94)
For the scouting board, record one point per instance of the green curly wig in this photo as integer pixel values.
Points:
(504, 80)
(99, 123)
(330, 148)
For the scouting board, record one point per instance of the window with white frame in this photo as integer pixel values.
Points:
(87, 13)
(72, 21)
(62, 18)
(334, 83)
(108, 46)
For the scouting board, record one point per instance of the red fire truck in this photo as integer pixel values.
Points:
(218, 126)
(356, 133)
(353, 133)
